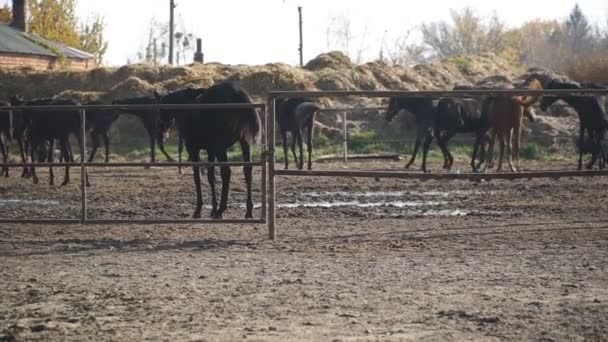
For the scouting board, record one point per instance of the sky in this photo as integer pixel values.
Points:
(264, 31)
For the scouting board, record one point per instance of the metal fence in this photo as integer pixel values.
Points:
(267, 162)
(84, 165)
(273, 172)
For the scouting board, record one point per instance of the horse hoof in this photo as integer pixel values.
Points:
(285, 168)
(217, 216)
(196, 215)
(249, 216)
(35, 180)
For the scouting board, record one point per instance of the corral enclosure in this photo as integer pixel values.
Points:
(357, 259)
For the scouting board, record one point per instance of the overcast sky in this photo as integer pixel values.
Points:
(262, 31)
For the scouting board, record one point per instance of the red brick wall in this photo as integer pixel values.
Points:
(40, 62)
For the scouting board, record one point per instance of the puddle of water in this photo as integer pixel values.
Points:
(6, 202)
(357, 204)
(397, 193)
(447, 212)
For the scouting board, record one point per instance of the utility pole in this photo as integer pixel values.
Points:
(301, 49)
(171, 29)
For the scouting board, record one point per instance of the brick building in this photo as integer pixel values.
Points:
(19, 48)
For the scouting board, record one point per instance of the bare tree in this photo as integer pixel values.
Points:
(467, 33)
(404, 52)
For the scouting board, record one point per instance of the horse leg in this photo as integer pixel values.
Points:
(161, 147)
(501, 141)
(23, 154)
(581, 142)
(70, 157)
(180, 148)
(95, 140)
(294, 140)
(106, 143)
(428, 138)
(595, 144)
(516, 146)
(4, 149)
(49, 159)
(284, 139)
(300, 147)
(476, 146)
(248, 171)
(194, 156)
(152, 145)
(416, 147)
(32, 171)
(211, 180)
(445, 139)
(309, 143)
(490, 154)
(440, 144)
(225, 173)
(510, 144)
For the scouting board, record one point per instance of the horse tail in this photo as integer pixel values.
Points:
(250, 124)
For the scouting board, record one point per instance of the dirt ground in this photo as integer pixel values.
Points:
(356, 259)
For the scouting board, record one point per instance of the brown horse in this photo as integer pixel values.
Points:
(505, 114)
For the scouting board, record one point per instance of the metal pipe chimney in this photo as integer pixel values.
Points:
(20, 15)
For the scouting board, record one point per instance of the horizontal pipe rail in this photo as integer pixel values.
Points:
(156, 164)
(443, 176)
(139, 107)
(352, 109)
(133, 221)
(438, 93)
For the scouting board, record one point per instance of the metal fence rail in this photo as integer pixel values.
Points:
(84, 165)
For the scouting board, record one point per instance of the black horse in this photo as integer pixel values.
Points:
(459, 115)
(98, 123)
(423, 109)
(592, 118)
(46, 126)
(165, 125)
(215, 130)
(150, 119)
(297, 116)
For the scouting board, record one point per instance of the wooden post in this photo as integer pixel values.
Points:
(171, 29)
(301, 49)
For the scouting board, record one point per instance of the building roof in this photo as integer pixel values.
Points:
(16, 41)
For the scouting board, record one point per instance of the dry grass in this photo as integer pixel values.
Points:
(590, 70)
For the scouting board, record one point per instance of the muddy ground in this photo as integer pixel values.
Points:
(356, 259)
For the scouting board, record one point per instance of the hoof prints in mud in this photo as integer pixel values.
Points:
(393, 203)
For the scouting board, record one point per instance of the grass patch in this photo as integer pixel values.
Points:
(359, 143)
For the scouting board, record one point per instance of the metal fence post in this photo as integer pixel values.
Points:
(264, 160)
(83, 170)
(344, 138)
(272, 234)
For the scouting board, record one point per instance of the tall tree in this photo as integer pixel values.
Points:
(55, 20)
(465, 34)
(578, 31)
(91, 37)
(6, 15)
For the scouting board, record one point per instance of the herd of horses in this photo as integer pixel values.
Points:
(501, 116)
(216, 130)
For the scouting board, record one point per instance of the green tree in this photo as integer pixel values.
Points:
(56, 20)
(6, 15)
(91, 37)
